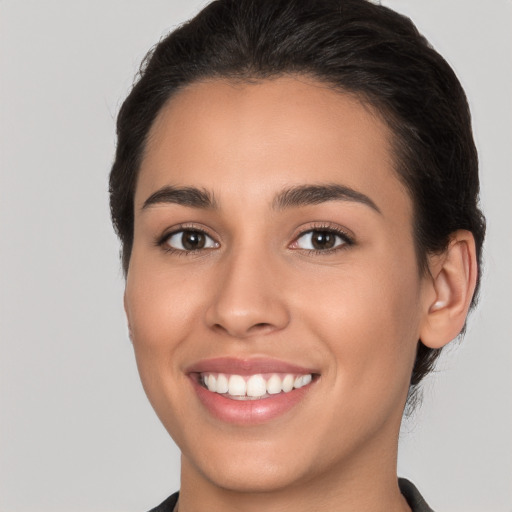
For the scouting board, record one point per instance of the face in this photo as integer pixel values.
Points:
(273, 293)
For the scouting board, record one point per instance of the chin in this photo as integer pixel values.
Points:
(247, 478)
(240, 463)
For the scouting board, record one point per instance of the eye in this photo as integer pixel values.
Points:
(190, 240)
(320, 240)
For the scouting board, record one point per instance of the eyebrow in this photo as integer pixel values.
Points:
(186, 196)
(293, 197)
(305, 195)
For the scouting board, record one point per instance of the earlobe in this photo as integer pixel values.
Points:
(450, 290)
(438, 304)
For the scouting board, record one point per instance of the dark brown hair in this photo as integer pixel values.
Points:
(352, 45)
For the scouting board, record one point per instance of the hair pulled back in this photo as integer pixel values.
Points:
(351, 45)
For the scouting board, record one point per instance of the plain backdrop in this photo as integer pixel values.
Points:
(76, 431)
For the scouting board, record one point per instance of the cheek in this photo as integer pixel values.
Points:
(369, 320)
(159, 303)
(161, 308)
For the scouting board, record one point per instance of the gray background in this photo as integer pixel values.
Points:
(76, 432)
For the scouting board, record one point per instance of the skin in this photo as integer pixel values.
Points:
(355, 313)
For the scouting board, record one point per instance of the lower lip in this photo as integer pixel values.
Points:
(249, 412)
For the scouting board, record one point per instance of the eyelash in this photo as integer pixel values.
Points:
(328, 228)
(162, 241)
(347, 239)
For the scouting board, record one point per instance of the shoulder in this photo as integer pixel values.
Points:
(413, 496)
(167, 505)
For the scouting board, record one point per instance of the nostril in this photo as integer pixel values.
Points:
(241, 316)
(258, 328)
(219, 327)
(261, 327)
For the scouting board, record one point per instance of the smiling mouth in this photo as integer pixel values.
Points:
(253, 387)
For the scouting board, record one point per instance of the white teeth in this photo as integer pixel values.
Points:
(222, 384)
(301, 381)
(288, 382)
(306, 379)
(212, 383)
(274, 385)
(237, 386)
(256, 386)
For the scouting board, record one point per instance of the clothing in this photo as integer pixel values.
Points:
(168, 505)
(413, 496)
(408, 489)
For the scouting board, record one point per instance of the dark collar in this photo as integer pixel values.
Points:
(413, 496)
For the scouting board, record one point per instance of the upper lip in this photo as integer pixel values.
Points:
(231, 365)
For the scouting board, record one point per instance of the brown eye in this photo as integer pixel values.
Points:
(323, 240)
(320, 240)
(190, 240)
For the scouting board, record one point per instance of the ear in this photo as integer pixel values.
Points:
(449, 290)
(125, 304)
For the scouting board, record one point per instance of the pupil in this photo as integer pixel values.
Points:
(323, 240)
(192, 240)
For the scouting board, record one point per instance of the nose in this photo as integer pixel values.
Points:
(248, 299)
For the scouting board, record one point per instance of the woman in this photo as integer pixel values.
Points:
(296, 193)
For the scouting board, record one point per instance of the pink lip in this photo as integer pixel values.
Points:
(247, 412)
(246, 366)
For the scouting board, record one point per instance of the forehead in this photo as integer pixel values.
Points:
(257, 137)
